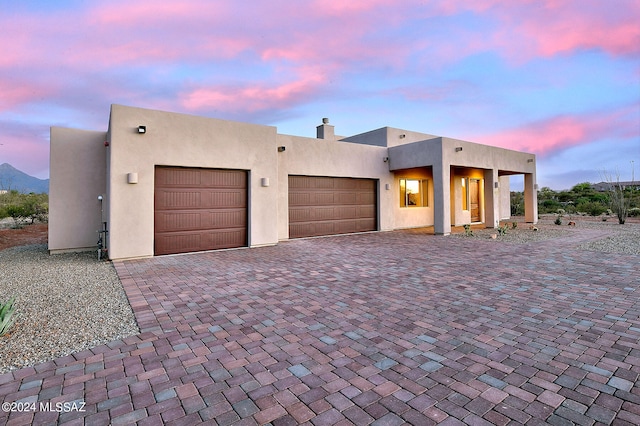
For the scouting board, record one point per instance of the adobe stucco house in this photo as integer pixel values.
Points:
(174, 183)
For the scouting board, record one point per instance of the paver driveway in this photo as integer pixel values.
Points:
(382, 328)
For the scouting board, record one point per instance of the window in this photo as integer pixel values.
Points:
(465, 194)
(413, 193)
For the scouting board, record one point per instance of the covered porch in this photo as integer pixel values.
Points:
(470, 182)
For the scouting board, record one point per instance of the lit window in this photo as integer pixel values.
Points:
(413, 193)
(465, 194)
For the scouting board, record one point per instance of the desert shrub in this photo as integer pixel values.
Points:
(548, 206)
(592, 208)
(558, 220)
(6, 316)
(502, 229)
(24, 206)
(634, 212)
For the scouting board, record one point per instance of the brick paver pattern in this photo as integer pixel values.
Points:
(379, 328)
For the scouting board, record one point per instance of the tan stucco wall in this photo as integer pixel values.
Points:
(77, 178)
(319, 157)
(82, 168)
(389, 137)
(183, 140)
(505, 198)
(413, 217)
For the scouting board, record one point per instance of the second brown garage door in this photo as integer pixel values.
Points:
(329, 205)
(199, 209)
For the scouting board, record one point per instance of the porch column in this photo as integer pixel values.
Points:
(442, 199)
(491, 198)
(530, 198)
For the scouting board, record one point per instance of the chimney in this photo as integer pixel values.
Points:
(325, 130)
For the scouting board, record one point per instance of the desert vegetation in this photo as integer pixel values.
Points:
(24, 207)
(583, 199)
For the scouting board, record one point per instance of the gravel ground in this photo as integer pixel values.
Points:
(623, 239)
(64, 304)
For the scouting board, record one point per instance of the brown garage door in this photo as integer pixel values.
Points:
(199, 209)
(328, 205)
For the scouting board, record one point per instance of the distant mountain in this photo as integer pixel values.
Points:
(12, 178)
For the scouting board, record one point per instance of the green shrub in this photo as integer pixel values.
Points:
(591, 208)
(6, 316)
(24, 206)
(634, 212)
(558, 220)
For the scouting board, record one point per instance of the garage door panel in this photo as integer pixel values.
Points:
(368, 212)
(169, 177)
(346, 212)
(204, 198)
(166, 199)
(299, 199)
(366, 224)
(326, 205)
(226, 199)
(165, 222)
(366, 198)
(224, 179)
(179, 243)
(194, 178)
(350, 197)
(199, 209)
(323, 199)
(227, 219)
(194, 220)
(224, 238)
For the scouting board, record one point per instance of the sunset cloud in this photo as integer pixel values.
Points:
(253, 98)
(553, 134)
(523, 74)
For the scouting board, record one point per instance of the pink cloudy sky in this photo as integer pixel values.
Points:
(559, 78)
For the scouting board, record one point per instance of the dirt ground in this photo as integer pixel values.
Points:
(29, 234)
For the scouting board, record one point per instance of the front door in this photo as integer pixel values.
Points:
(474, 199)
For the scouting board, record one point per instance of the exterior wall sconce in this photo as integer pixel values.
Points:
(458, 148)
(282, 149)
(385, 159)
(264, 182)
(495, 185)
(132, 178)
(142, 129)
(530, 160)
(402, 136)
(387, 186)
